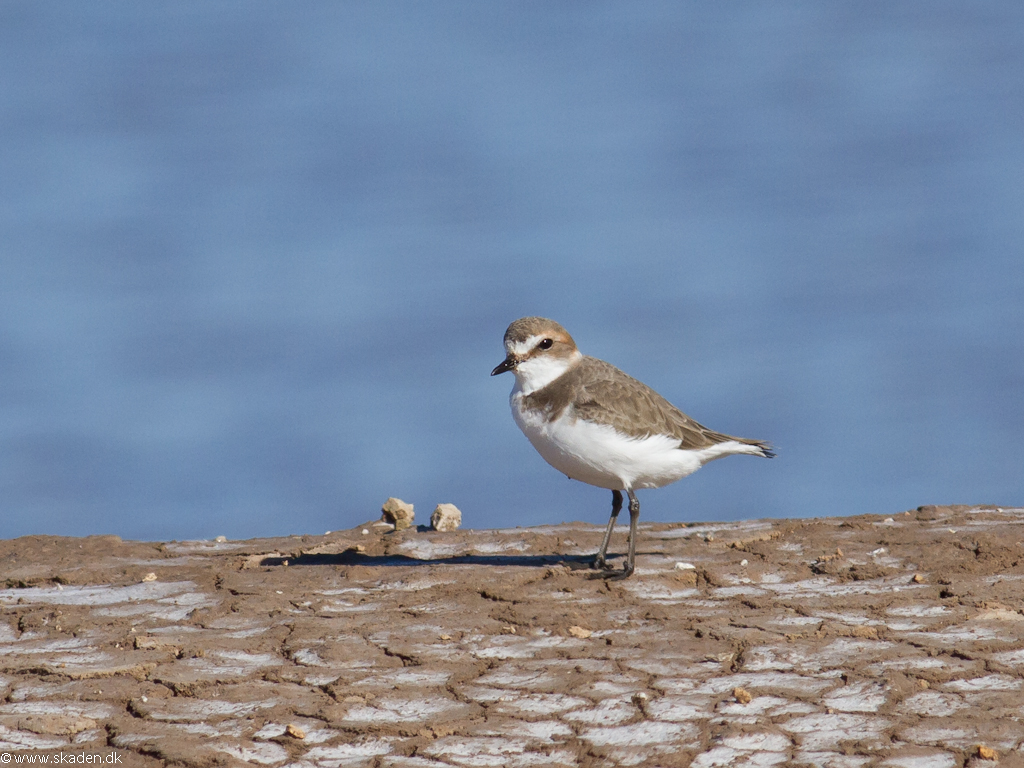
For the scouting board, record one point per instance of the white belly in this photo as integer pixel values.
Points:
(598, 455)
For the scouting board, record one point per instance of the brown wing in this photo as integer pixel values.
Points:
(614, 398)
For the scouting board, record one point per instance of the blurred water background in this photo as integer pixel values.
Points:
(256, 259)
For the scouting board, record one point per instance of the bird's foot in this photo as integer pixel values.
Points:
(625, 573)
(609, 573)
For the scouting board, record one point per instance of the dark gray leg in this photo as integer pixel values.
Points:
(634, 517)
(599, 560)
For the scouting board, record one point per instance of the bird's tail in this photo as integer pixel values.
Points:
(764, 447)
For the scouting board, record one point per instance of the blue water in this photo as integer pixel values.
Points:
(256, 259)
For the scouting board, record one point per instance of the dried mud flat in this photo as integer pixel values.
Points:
(889, 641)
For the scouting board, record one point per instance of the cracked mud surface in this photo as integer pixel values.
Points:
(890, 641)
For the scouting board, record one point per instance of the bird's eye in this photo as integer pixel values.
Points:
(546, 344)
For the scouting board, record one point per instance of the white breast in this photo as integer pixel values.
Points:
(599, 455)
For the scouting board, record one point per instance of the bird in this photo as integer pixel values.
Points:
(596, 424)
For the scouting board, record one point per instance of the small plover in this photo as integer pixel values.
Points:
(595, 424)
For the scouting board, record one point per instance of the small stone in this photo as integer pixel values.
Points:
(295, 732)
(398, 513)
(685, 567)
(742, 695)
(987, 753)
(149, 577)
(918, 578)
(640, 701)
(221, 539)
(923, 684)
(366, 532)
(446, 637)
(579, 632)
(508, 629)
(743, 562)
(446, 517)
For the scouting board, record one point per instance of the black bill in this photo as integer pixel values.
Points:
(508, 364)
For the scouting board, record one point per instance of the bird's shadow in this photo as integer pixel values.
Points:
(352, 557)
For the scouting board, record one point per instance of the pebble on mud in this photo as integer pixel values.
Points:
(640, 701)
(686, 574)
(446, 517)
(398, 513)
(987, 753)
(579, 632)
(295, 732)
(742, 695)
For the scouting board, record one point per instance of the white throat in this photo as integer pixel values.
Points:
(540, 370)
